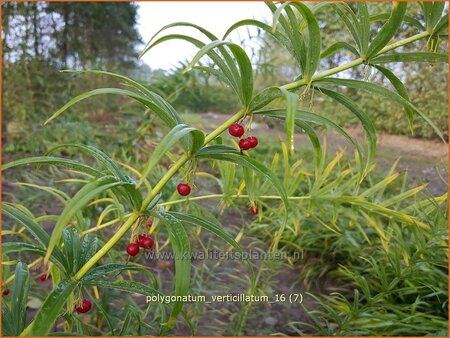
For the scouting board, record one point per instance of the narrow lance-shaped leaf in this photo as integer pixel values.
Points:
(36, 230)
(313, 41)
(407, 18)
(155, 103)
(99, 272)
(309, 117)
(366, 122)
(382, 91)
(401, 90)
(269, 94)
(99, 155)
(432, 13)
(48, 313)
(363, 26)
(72, 249)
(411, 57)
(294, 41)
(214, 228)
(228, 73)
(245, 80)
(80, 200)
(226, 64)
(335, 47)
(168, 141)
(49, 160)
(388, 30)
(224, 153)
(350, 20)
(19, 297)
(182, 251)
(21, 247)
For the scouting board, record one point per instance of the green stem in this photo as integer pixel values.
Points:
(354, 63)
(205, 197)
(108, 245)
(158, 187)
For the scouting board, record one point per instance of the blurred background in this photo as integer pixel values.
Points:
(39, 39)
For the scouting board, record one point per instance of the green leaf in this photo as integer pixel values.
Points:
(269, 94)
(223, 153)
(432, 12)
(304, 116)
(182, 251)
(408, 19)
(249, 22)
(382, 91)
(441, 26)
(53, 161)
(350, 20)
(11, 247)
(411, 57)
(388, 30)
(313, 40)
(363, 26)
(177, 24)
(36, 230)
(7, 321)
(126, 285)
(89, 247)
(244, 80)
(366, 122)
(290, 26)
(72, 249)
(127, 324)
(81, 198)
(156, 103)
(401, 90)
(47, 315)
(230, 74)
(101, 271)
(335, 47)
(215, 229)
(19, 298)
(178, 132)
(99, 155)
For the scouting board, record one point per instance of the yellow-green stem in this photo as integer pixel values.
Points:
(205, 197)
(108, 245)
(354, 63)
(162, 182)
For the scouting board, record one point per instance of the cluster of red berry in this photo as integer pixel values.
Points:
(144, 241)
(237, 130)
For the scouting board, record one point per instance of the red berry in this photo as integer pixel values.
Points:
(84, 307)
(236, 130)
(6, 292)
(43, 277)
(184, 189)
(149, 222)
(253, 210)
(146, 243)
(244, 144)
(133, 249)
(253, 141)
